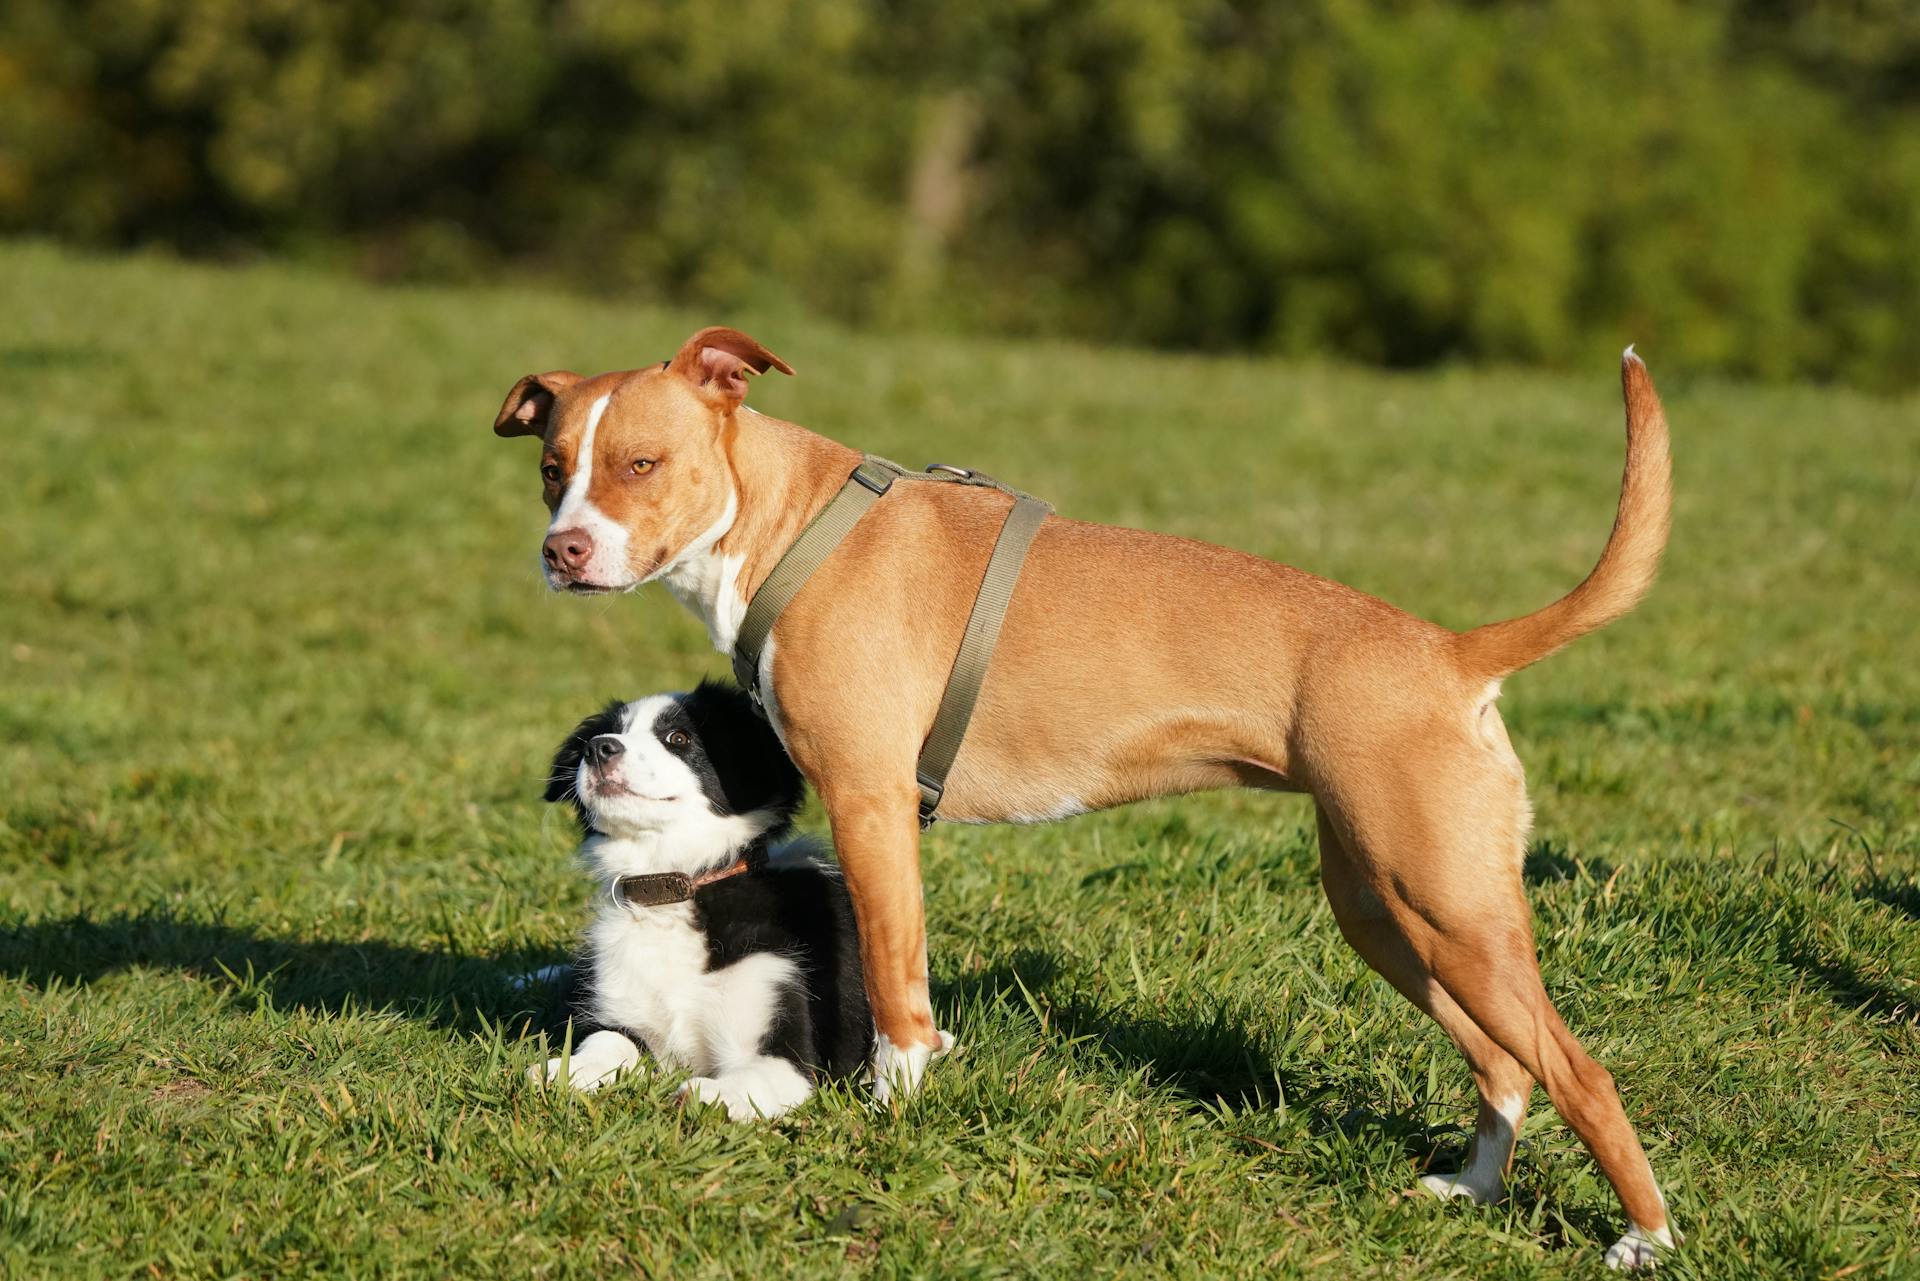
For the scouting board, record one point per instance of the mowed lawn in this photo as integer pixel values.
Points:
(278, 681)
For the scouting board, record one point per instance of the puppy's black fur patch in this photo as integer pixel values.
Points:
(732, 751)
(805, 913)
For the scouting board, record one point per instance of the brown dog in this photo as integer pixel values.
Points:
(1131, 665)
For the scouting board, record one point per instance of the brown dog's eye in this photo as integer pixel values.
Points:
(550, 474)
(641, 466)
(679, 740)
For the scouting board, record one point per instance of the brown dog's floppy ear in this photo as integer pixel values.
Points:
(531, 400)
(719, 359)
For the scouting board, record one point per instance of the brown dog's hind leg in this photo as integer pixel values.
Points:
(1503, 1084)
(1490, 971)
(1451, 896)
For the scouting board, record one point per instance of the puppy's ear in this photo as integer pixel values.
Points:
(530, 402)
(719, 360)
(565, 769)
(754, 767)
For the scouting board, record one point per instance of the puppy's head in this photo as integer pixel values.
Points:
(700, 767)
(634, 465)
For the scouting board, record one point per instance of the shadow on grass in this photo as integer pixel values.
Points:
(1547, 863)
(1207, 1061)
(1847, 984)
(1217, 1060)
(1902, 896)
(444, 987)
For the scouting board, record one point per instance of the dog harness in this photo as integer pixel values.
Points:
(658, 889)
(869, 483)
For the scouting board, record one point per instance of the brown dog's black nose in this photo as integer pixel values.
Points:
(568, 550)
(604, 748)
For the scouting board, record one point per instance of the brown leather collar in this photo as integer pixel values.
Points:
(663, 888)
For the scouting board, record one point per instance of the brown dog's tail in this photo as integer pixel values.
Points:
(1627, 565)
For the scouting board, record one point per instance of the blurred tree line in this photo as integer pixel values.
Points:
(1735, 183)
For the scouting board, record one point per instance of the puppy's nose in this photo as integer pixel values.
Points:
(604, 748)
(568, 549)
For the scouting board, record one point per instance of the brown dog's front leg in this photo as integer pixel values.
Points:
(876, 833)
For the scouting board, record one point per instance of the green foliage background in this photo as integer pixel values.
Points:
(1735, 183)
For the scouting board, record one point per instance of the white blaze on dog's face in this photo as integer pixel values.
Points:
(635, 466)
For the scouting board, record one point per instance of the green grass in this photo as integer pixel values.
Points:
(277, 680)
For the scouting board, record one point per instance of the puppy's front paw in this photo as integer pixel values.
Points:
(767, 1087)
(599, 1059)
(706, 1089)
(576, 1074)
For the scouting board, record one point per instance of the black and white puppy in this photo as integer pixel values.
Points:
(723, 952)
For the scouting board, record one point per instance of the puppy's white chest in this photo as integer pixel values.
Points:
(649, 978)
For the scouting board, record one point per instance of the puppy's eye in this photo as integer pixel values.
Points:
(679, 740)
(550, 473)
(641, 466)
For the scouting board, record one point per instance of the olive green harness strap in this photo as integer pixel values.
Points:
(816, 542)
(868, 483)
(976, 650)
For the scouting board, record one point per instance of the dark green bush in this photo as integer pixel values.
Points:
(1736, 185)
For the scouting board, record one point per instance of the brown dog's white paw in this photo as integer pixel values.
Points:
(898, 1070)
(1639, 1248)
(1467, 1185)
(1483, 1178)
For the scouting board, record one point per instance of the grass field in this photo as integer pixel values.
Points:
(278, 679)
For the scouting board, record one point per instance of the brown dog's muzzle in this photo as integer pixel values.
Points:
(567, 551)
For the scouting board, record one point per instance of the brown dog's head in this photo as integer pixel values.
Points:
(634, 465)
